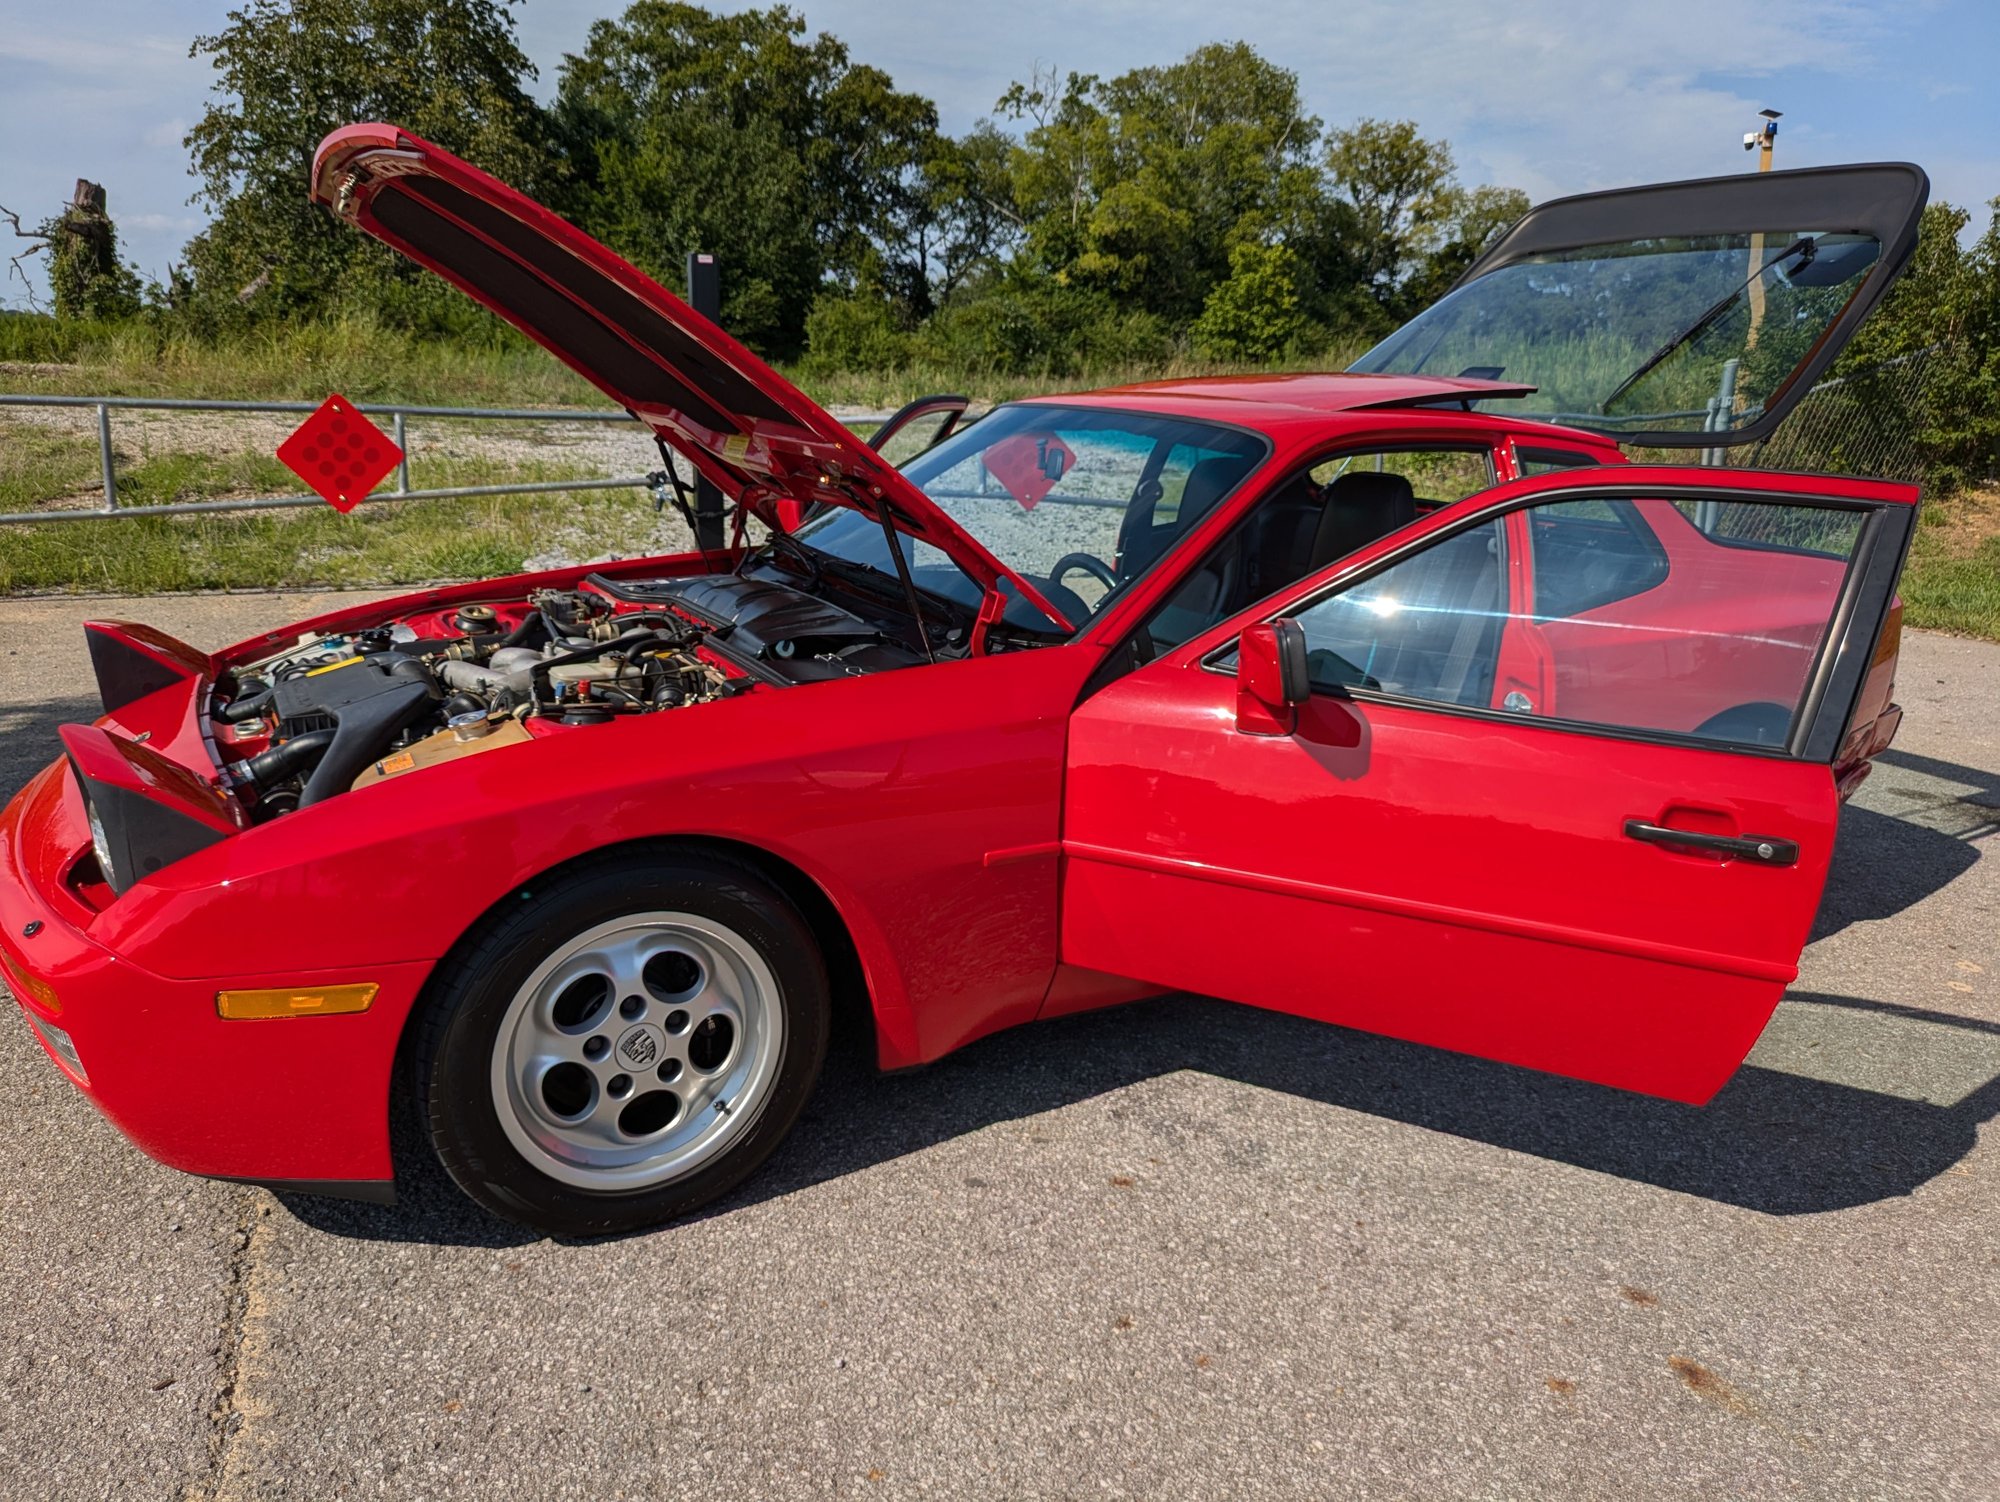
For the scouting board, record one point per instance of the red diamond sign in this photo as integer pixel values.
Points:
(340, 453)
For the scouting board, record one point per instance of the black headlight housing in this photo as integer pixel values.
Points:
(145, 811)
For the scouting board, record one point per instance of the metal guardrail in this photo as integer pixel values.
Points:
(398, 413)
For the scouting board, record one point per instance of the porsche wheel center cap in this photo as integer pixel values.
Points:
(641, 1047)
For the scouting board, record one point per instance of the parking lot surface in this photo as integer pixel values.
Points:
(1181, 1249)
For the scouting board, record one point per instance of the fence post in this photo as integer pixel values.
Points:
(403, 464)
(104, 457)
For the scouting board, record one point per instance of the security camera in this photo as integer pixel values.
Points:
(1751, 139)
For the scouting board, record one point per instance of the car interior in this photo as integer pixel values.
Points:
(1306, 524)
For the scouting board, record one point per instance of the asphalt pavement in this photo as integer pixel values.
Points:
(1176, 1250)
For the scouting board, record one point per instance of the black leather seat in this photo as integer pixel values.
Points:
(1141, 539)
(1362, 505)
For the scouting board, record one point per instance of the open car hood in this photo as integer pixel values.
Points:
(1690, 314)
(746, 427)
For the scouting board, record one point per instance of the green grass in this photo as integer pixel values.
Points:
(1949, 586)
(302, 362)
(1952, 583)
(313, 547)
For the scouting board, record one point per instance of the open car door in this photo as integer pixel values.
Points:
(1546, 777)
(1691, 314)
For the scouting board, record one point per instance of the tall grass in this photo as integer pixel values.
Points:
(366, 360)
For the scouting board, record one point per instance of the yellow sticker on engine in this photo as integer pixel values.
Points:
(402, 761)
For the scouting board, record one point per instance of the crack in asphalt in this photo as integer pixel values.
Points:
(240, 1341)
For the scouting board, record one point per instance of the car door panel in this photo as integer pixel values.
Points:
(1450, 873)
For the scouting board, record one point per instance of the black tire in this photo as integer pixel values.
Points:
(458, 1029)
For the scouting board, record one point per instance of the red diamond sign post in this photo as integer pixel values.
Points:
(340, 453)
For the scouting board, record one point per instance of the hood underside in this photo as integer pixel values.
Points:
(746, 427)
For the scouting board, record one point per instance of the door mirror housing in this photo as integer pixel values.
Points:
(1272, 678)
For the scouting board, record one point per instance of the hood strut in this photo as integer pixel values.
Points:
(895, 540)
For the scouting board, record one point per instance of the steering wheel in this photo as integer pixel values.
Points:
(1090, 565)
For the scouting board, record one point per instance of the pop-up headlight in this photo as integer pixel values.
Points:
(145, 812)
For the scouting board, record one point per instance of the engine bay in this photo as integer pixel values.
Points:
(330, 713)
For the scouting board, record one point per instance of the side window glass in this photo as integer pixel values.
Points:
(1701, 619)
(1589, 553)
(1426, 628)
(1541, 461)
(1437, 476)
(1283, 539)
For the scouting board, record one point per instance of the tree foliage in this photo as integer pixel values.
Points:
(738, 134)
(289, 71)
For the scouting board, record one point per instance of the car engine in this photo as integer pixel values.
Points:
(336, 712)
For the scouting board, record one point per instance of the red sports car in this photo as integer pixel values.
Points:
(1394, 698)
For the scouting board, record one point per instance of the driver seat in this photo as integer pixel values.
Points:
(1140, 540)
(1361, 505)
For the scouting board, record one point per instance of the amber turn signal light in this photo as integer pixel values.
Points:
(33, 987)
(303, 1001)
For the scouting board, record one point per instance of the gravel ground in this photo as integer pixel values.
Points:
(1178, 1250)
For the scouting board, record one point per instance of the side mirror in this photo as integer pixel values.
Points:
(1272, 678)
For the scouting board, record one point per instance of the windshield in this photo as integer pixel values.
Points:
(1080, 501)
(1693, 333)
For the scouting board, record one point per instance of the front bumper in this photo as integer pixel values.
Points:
(291, 1099)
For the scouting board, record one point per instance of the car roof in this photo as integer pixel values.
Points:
(1287, 400)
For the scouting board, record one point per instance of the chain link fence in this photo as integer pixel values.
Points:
(1867, 424)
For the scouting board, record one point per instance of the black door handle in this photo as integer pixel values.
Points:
(1761, 850)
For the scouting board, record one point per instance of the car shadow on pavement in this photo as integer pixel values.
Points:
(1772, 1141)
(1887, 862)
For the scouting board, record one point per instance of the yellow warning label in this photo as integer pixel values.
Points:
(402, 761)
(736, 447)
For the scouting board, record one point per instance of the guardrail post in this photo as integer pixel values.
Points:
(403, 465)
(104, 457)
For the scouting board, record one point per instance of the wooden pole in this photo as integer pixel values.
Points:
(1764, 145)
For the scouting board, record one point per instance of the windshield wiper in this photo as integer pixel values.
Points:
(1804, 245)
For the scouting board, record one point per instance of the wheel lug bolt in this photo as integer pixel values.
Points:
(670, 1071)
(677, 1021)
(620, 1086)
(631, 1006)
(597, 1048)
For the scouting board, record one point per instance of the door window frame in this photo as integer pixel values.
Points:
(1834, 679)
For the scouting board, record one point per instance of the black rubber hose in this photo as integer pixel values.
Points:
(519, 634)
(247, 706)
(280, 762)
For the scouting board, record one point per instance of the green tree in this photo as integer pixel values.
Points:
(1256, 314)
(1943, 314)
(741, 136)
(1406, 228)
(86, 277)
(1142, 186)
(288, 72)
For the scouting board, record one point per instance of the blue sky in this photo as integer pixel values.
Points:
(1552, 96)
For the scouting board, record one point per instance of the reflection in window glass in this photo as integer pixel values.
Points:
(1700, 619)
(1643, 334)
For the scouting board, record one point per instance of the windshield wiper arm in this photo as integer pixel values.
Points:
(1804, 245)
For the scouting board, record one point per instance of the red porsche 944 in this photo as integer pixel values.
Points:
(1396, 698)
